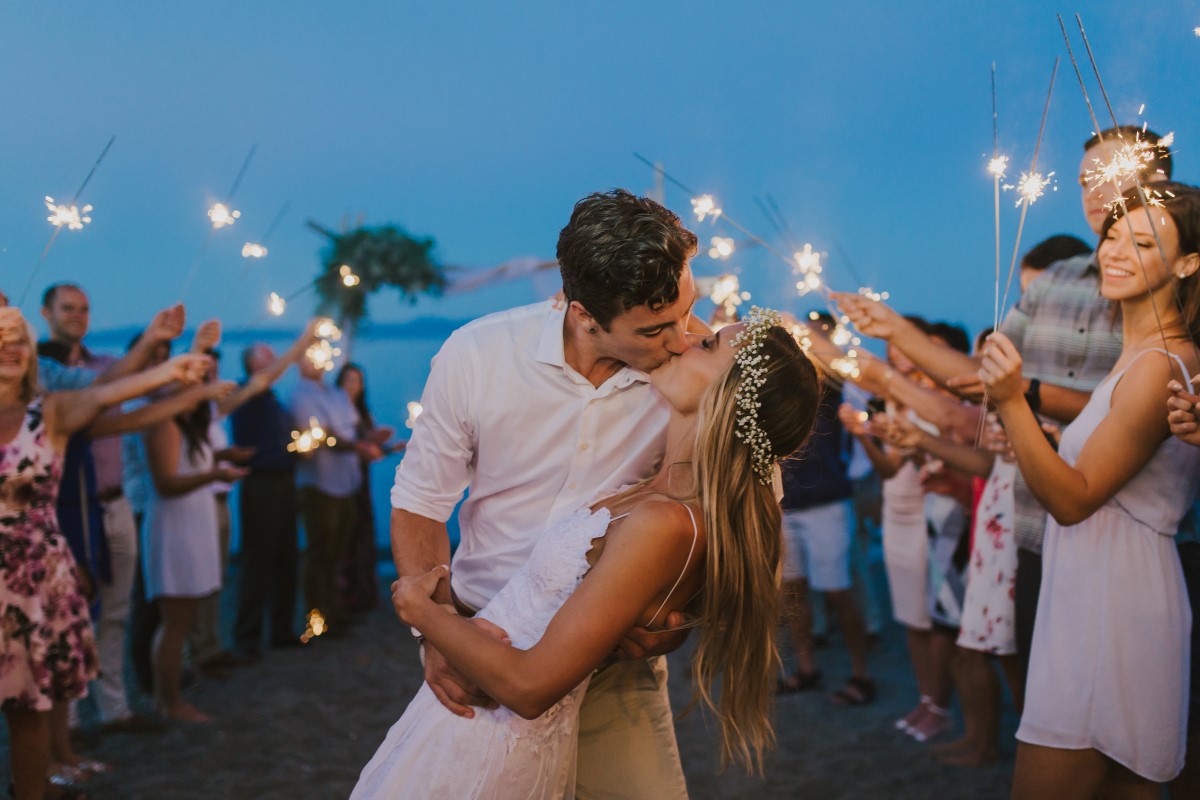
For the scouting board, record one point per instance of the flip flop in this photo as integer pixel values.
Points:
(856, 692)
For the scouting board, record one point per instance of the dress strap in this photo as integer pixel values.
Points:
(1183, 370)
(695, 536)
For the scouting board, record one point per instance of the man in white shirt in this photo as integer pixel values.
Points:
(541, 410)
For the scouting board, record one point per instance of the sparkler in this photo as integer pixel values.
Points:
(721, 248)
(322, 353)
(1147, 201)
(414, 411)
(69, 215)
(220, 215)
(315, 625)
(311, 438)
(704, 207)
(1029, 189)
(259, 249)
(276, 305)
(348, 277)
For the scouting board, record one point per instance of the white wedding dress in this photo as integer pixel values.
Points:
(431, 753)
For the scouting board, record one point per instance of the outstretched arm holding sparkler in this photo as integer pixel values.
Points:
(265, 378)
(154, 413)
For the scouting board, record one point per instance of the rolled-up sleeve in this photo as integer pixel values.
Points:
(438, 460)
(57, 378)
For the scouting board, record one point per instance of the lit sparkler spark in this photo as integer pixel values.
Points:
(721, 248)
(998, 166)
(802, 336)
(253, 250)
(314, 626)
(726, 291)
(221, 215)
(705, 206)
(72, 216)
(348, 276)
(847, 367)
(1131, 160)
(276, 305)
(1031, 186)
(326, 329)
(807, 261)
(414, 411)
(871, 294)
(322, 354)
(809, 283)
(1196, 31)
(841, 336)
(310, 439)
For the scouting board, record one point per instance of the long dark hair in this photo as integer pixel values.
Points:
(194, 426)
(360, 402)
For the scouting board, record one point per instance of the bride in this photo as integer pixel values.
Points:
(702, 535)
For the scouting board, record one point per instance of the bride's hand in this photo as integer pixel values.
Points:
(644, 643)
(409, 593)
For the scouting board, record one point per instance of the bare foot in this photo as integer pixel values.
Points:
(186, 712)
(964, 744)
(979, 757)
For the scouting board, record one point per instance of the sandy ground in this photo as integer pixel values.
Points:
(302, 723)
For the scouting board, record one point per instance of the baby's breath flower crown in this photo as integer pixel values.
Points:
(753, 364)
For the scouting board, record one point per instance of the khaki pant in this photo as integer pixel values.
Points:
(627, 745)
(113, 621)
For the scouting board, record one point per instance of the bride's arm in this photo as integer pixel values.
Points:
(642, 559)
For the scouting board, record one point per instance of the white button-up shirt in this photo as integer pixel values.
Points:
(533, 440)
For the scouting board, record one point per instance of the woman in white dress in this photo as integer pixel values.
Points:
(1107, 689)
(181, 553)
(702, 535)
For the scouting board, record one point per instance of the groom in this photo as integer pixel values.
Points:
(538, 411)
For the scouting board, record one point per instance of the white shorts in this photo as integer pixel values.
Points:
(816, 546)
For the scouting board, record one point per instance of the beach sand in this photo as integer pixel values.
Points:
(303, 722)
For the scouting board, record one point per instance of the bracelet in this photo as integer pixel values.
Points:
(420, 637)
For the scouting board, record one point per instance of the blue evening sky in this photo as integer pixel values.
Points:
(480, 124)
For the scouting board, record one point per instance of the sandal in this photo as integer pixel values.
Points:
(942, 715)
(856, 692)
(798, 682)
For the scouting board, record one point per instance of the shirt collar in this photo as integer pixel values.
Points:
(551, 350)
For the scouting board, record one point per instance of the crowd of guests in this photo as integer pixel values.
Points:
(1037, 517)
(115, 523)
(1032, 493)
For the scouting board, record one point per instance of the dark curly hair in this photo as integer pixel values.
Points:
(620, 251)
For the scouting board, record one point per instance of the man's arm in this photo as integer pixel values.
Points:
(164, 327)
(153, 413)
(260, 381)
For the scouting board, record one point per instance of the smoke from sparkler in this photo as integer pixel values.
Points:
(72, 216)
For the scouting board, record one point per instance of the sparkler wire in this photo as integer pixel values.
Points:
(208, 236)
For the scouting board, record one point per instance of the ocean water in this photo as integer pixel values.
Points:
(395, 360)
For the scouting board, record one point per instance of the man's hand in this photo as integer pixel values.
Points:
(643, 643)
(1182, 415)
(449, 686)
(368, 450)
(166, 326)
(208, 335)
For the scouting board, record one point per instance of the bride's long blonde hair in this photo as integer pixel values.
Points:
(739, 608)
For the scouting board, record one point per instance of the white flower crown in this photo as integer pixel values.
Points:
(753, 364)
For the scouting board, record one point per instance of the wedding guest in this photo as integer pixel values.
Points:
(180, 543)
(267, 504)
(359, 580)
(328, 479)
(50, 662)
(1113, 593)
(1064, 330)
(817, 542)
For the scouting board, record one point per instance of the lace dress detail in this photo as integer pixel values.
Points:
(47, 651)
(431, 753)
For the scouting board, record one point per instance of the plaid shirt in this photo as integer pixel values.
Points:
(1067, 336)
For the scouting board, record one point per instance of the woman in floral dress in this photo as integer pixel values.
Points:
(47, 653)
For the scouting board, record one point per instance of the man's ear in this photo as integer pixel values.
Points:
(581, 316)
